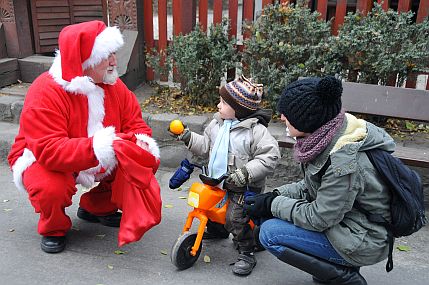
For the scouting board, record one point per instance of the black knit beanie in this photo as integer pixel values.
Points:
(310, 103)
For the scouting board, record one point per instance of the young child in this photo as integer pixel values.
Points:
(237, 141)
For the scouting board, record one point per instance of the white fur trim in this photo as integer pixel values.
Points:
(107, 42)
(83, 85)
(96, 110)
(55, 70)
(78, 85)
(153, 146)
(20, 165)
(103, 147)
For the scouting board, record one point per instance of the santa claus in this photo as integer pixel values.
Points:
(76, 119)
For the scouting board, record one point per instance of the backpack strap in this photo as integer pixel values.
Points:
(324, 168)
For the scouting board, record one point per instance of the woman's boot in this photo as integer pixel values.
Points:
(328, 273)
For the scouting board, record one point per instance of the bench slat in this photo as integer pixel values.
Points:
(404, 103)
(408, 155)
(412, 156)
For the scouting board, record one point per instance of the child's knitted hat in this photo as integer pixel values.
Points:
(242, 95)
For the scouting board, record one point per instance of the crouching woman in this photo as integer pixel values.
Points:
(312, 224)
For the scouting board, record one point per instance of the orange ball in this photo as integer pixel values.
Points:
(176, 127)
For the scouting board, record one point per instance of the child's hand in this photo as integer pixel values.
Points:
(239, 177)
(185, 136)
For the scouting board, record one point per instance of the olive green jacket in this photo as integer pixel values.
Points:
(324, 202)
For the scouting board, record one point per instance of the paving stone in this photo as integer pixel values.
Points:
(15, 89)
(16, 109)
(31, 67)
(9, 71)
(159, 124)
(6, 113)
(173, 153)
(8, 131)
(197, 123)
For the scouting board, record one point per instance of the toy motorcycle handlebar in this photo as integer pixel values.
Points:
(183, 173)
(213, 181)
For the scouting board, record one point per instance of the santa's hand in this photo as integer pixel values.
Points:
(143, 145)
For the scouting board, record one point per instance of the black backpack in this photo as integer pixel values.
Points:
(407, 207)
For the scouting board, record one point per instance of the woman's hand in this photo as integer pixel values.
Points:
(259, 206)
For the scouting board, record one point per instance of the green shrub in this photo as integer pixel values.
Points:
(286, 42)
(377, 47)
(201, 60)
(289, 41)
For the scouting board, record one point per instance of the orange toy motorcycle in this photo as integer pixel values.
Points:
(208, 202)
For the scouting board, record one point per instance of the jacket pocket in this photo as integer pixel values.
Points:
(347, 236)
(237, 161)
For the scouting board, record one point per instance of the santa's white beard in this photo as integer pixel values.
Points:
(110, 77)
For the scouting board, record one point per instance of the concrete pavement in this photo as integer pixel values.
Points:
(89, 257)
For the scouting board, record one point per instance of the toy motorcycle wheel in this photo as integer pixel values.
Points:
(181, 251)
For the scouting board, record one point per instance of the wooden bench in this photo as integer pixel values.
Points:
(401, 103)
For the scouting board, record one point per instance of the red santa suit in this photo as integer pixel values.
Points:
(68, 127)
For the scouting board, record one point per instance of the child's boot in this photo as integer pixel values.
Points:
(245, 264)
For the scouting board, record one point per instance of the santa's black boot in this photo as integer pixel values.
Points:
(322, 270)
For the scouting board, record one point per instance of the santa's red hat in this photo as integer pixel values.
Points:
(85, 45)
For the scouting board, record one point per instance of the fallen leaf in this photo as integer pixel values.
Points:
(164, 251)
(206, 259)
(168, 206)
(118, 252)
(410, 126)
(403, 248)
(179, 189)
(100, 236)
(7, 210)
(110, 266)
(75, 229)
(182, 197)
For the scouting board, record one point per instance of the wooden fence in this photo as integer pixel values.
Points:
(184, 14)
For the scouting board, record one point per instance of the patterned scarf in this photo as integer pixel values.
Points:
(307, 148)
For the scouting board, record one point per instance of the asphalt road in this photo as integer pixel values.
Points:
(89, 257)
